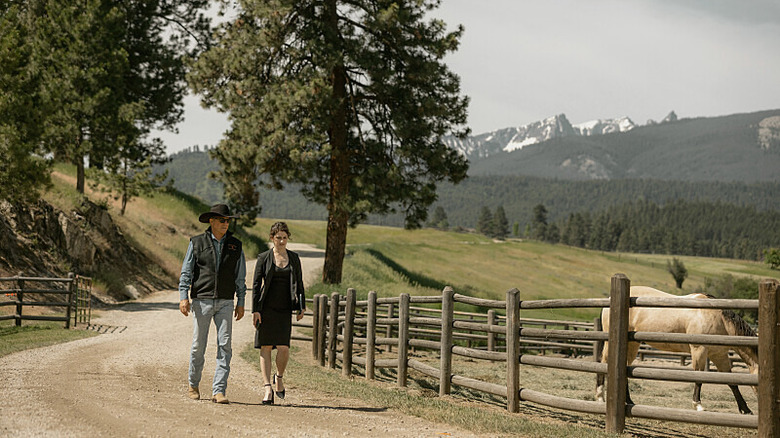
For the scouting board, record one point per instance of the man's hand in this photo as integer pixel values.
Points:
(256, 319)
(239, 312)
(184, 307)
(299, 316)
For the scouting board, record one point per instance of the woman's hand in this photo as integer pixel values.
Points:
(256, 319)
(299, 316)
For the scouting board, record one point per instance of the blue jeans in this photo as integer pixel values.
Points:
(204, 311)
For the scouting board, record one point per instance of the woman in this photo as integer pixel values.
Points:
(278, 292)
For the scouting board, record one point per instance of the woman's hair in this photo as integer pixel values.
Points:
(280, 226)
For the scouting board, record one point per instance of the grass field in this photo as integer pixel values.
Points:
(34, 335)
(422, 262)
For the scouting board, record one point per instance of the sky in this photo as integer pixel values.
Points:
(521, 61)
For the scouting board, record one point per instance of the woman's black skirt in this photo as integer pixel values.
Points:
(275, 329)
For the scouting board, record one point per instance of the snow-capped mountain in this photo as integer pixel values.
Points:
(511, 139)
(608, 126)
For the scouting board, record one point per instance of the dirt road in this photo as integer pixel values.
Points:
(132, 381)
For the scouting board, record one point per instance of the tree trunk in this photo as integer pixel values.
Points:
(124, 204)
(79, 174)
(340, 179)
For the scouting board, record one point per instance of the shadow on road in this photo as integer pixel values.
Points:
(310, 254)
(146, 306)
(335, 408)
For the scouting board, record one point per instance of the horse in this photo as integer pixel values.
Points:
(691, 321)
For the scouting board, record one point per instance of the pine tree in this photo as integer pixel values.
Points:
(539, 222)
(439, 219)
(22, 172)
(110, 72)
(485, 222)
(349, 99)
(500, 223)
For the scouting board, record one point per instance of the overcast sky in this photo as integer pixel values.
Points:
(524, 60)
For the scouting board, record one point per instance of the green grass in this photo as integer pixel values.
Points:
(479, 418)
(421, 262)
(13, 339)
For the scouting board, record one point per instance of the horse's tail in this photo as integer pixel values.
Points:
(736, 326)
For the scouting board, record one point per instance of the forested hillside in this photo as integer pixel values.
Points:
(680, 227)
(517, 194)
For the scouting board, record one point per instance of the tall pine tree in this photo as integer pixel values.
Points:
(350, 99)
(500, 223)
(111, 72)
(23, 171)
(485, 222)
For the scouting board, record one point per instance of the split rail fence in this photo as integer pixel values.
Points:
(340, 323)
(77, 303)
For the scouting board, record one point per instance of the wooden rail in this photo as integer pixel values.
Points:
(77, 304)
(340, 323)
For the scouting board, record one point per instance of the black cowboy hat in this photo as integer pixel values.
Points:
(220, 210)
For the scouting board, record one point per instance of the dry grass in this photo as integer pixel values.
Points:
(575, 385)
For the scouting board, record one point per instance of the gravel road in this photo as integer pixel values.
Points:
(132, 381)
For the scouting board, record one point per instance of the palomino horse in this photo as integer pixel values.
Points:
(691, 321)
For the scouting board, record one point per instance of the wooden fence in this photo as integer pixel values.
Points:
(341, 322)
(77, 303)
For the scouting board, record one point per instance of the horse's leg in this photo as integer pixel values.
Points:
(698, 362)
(720, 358)
(631, 350)
(600, 377)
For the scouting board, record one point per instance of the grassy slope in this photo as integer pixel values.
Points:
(420, 262)
(477, 266)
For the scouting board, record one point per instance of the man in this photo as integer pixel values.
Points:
(214, 269)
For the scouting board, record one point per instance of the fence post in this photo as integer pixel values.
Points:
(617, 371)
(390, 311)
(491, 337)
(315, 324)
(403, 339)
(20, 300)
(323, 319)
(72, 301)
(349, 329)
(768, 359)
(371, 335)
(447, 315)
(513, 350)
(333, 325)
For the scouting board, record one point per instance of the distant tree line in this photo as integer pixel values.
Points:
(679, 227)
(709, 219)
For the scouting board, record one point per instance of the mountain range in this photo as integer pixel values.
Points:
(739, 147)
(732, 159)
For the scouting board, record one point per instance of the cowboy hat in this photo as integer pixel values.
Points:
(220, 210)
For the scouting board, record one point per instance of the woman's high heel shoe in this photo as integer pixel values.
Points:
(271, 400)
(279, 394)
